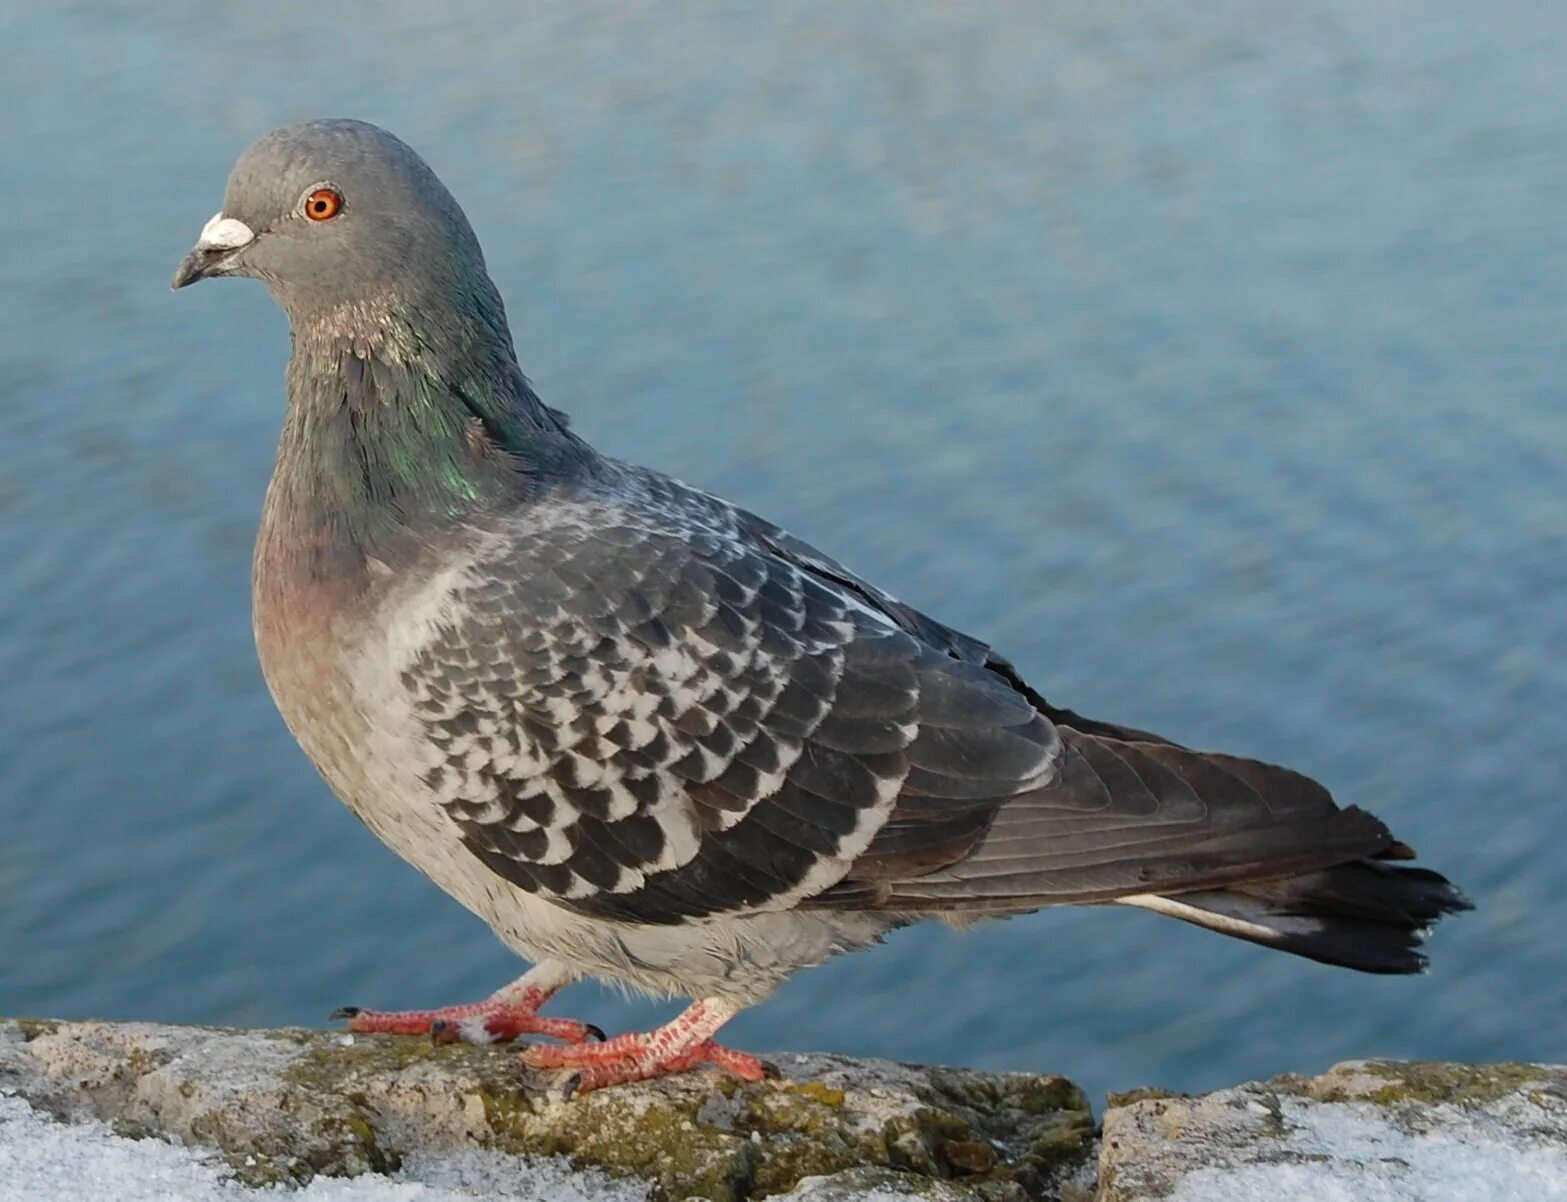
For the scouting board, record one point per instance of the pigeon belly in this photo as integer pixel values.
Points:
(342, 696)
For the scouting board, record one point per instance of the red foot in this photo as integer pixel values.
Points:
(478, 1022)
(639, 1057)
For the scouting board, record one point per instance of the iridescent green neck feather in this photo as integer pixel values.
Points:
(396, 429)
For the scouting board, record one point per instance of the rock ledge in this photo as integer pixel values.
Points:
(283, 1107)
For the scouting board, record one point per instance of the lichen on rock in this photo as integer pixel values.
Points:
(282, 1107)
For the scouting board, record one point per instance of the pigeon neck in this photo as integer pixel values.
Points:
(393, 433)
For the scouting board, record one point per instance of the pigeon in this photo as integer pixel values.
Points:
(648, 736)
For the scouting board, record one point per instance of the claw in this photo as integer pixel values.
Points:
(480, 1023)
(547, 1057)
(343, 1012)
(770, 1071)
(629, 1058)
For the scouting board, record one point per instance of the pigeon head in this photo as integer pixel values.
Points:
(407, 410)
(333, 213)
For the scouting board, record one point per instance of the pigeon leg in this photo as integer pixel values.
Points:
(507, 1013)
(679, 1045)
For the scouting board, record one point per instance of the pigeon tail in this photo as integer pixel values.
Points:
(1371, 916)
(1243, 848)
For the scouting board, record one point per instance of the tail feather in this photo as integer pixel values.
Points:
(1367, 915)
(1241, 847)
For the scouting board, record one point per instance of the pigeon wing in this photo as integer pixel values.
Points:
(656, 717)
(1124, 812)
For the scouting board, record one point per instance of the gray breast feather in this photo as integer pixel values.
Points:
(654, 717)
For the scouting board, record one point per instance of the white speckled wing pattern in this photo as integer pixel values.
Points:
(643, 712)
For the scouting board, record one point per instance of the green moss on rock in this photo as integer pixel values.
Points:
(1144, 1094)
(328, 1063)
(1454, 1084)
(915, 1142)
(1421, 1082)
(660, 1139)
(1061, 1145)
(817, 1092)
(969, 1155)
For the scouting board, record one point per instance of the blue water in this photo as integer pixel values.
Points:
(1210, 363)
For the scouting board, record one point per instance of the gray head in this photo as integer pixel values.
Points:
(333, 212)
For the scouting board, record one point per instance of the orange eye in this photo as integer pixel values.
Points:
(323, 204)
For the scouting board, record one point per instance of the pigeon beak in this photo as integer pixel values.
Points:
(221, 239)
